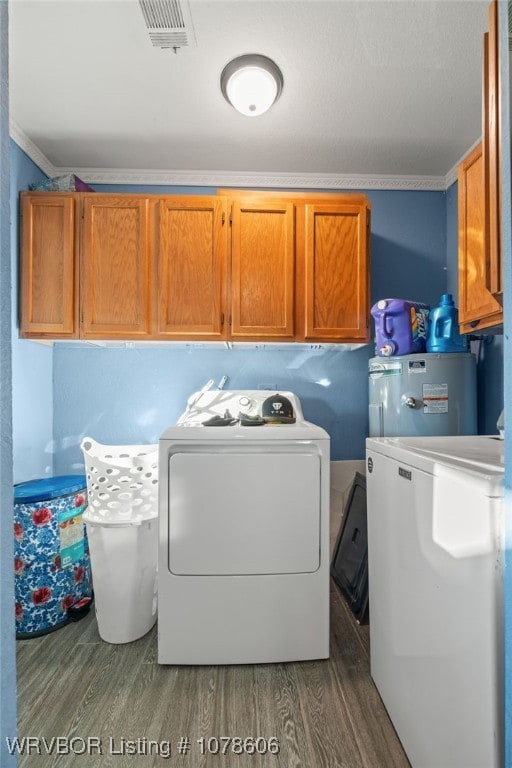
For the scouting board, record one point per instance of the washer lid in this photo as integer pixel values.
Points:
(477, 455)
(47, 488)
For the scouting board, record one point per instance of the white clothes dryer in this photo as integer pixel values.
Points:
(243, 562)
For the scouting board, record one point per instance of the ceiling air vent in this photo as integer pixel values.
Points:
(169, 23)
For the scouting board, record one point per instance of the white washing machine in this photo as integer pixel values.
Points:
(435, 556)
(243, 563)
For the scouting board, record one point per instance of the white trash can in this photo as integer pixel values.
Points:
(122, 529)
(123, 565)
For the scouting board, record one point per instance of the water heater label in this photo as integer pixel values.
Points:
(385, 368)
(417, 366)
(435, 398)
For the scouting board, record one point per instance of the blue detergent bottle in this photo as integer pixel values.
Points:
(443, 328)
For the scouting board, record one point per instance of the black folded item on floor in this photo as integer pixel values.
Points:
(349, 565)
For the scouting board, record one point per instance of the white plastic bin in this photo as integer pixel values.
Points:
(123, 565)
(122, 529)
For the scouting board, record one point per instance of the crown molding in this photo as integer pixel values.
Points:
(453, 173)
(313, 181)
(257, 179)
(451, 176)
(30, 149)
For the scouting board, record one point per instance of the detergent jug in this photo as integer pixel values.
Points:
(443, 328)
(400, 327)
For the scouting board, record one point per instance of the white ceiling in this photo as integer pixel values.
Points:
(373, 88)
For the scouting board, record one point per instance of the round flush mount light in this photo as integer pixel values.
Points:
(251, 83)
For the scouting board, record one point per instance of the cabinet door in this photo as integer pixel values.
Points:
(477, 306)
(115, 267)
(48, 266)
(191, 268)
(336, 296)
(492, 155)
(262, 270)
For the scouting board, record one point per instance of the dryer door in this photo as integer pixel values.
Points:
(245, 512)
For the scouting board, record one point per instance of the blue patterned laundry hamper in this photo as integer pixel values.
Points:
(52, 572)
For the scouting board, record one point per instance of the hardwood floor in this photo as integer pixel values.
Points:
(325, 714)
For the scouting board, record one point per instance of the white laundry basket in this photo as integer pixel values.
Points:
(122, 529)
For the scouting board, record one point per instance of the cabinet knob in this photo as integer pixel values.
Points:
(474, 323)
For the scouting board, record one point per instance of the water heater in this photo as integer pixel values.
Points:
(423, 394)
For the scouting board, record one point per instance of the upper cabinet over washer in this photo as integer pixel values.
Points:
(190, 290)
(115, 267)
(240, 265)
(312, 254)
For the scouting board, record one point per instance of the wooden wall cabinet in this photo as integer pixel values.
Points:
(262, 280)
(300, 266)
(225, 269)
(336, 296)
(190, 291)
(101, 266)
(478, 308)
(492, 156)
(48, 270)
(480, 263)
(85, 266)
(237, 266)
(115, 267)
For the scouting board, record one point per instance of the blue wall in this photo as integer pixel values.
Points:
(7, 645)
(408, 245)
(119, 395)
(130, 394)
(452, 241)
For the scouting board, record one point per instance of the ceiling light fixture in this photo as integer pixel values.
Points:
(251, 83)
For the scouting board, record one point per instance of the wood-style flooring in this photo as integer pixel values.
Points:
(325, 714)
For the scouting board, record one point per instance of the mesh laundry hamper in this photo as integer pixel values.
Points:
(122, 528)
